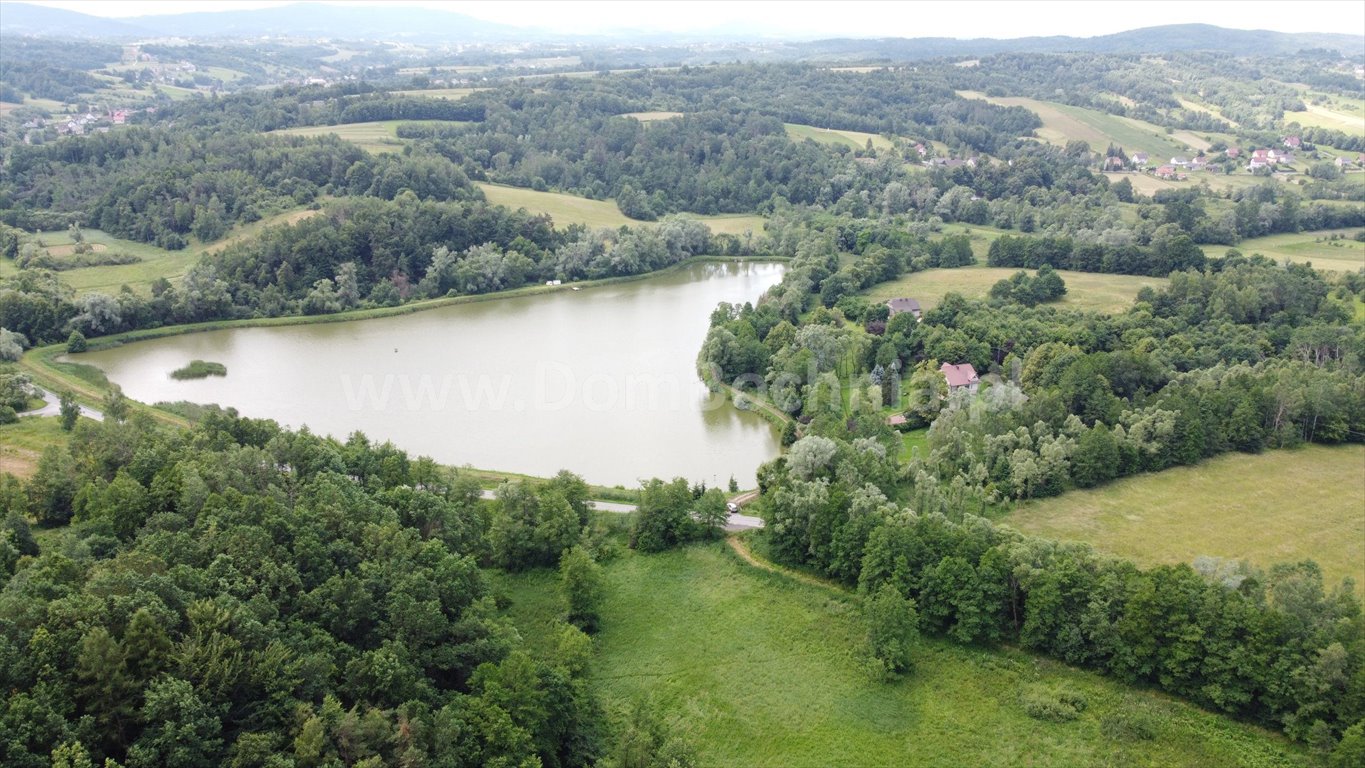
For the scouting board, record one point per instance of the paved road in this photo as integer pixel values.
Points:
(52, 407)
(736, 521)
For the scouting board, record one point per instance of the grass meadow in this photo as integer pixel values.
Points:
(377, 136)
(568, 209)
(1084, 290)
(1341, 255)
(23, 442)
(156, 262)
(650, 117)
(851, 139)
(1271, 507)
(1063, 123)
(758, 669)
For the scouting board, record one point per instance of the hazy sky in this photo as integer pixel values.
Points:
(888, 18)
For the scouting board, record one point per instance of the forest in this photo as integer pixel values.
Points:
(227, 591)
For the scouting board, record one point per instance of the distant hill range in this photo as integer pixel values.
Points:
(392, 22)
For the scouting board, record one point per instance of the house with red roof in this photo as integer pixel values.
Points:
(960, 377)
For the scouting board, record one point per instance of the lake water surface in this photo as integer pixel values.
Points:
(600, 381)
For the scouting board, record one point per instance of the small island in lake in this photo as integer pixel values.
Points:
(199, 369)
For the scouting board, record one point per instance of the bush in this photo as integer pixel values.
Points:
(8, 415)
(1057, 705)
(76, 342)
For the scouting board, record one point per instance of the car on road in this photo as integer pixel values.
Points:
(731, 507)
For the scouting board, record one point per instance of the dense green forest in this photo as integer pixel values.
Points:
(238, 592)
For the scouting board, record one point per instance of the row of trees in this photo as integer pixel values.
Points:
(357, 253)
(1274, 647)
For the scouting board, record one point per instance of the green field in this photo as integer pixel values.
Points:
(1267, 508)
(1346, 115)
(568, 209)
(757, 669)
(1063, 123)
(156, 262)
(649, 117)
(1084, 290)
(377, 136)
(23, 442)
(1342, 255)
(851, 139)
(1148, 184)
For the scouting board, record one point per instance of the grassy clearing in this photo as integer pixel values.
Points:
(439, 93)
(758, 669)
(564, 208)
(1063, 123)
(1267, 508)
(1147, 184)
(1343, 116)
(649, 117)
(568, 209)
(851, 139)
(376, 136)
(156, 262)
(1084, 290)
(1342, 255)
(22, 443)
(914, 443)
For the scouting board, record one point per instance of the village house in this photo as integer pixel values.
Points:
(1341, 163)
(1198, 164)
(1293, 142)
(1168, 172)
(1257, 163)
(960, 377)
(897, 306)
(1113, 163)
(1260, 154)
(922, 150)
(1233, 152)
(1180, 162)
(1139, 159)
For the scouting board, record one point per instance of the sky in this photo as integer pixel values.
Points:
(851, 18)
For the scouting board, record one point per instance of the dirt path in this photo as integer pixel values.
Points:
(747, 555)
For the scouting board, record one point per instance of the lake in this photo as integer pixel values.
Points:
(600, 381)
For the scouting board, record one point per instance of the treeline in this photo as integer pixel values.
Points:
(360, 253)
(408, 108)
(293, 106)
(1173, 252)
(162, 186)
(1273, 647)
